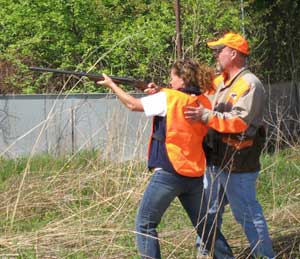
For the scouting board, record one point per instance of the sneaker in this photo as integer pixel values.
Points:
(202, 253)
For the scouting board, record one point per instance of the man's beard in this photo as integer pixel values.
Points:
(219, 68)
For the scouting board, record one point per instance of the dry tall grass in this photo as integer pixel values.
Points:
(88, 211)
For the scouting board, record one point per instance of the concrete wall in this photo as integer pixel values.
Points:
(282, 114)
(31, 124)
(34, 124)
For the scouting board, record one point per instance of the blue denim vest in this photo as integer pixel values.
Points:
(158, 156)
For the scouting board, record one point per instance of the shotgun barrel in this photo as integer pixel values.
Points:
(141, 85)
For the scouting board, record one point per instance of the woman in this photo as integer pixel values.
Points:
(176, 156)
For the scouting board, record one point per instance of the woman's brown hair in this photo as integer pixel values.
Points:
(194, 74)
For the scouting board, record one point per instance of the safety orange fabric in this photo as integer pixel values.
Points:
(219, 79)
(227, 125)
(183, 137)
(237, 91)
(232, 40)
(238, 144)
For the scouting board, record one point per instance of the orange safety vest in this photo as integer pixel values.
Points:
(184, 138)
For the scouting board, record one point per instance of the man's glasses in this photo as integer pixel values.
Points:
(216, 52)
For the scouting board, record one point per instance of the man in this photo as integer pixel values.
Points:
(236, 139)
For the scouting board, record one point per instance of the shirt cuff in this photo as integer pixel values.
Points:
(205, 115)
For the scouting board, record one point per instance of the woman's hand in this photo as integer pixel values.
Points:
(152, 88)
(107, 81)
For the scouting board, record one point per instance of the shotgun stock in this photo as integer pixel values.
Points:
(141, 85)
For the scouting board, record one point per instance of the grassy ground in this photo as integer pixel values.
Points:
(85, 208)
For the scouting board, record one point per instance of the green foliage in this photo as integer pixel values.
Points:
(132, 38)
(43, 162)
(280, 178)
(136, 38)
(206, 20)
(277, 50)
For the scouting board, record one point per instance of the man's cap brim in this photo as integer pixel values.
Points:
(215, 46)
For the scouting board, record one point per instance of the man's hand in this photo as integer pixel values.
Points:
(194, 113)
(152, 88)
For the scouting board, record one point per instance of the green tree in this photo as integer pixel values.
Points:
(137, 38)
(278, 50)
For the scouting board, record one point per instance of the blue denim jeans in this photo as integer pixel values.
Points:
(239, 190)
(162, 189)
(213, 197)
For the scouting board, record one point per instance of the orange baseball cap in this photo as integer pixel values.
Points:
(231, 40)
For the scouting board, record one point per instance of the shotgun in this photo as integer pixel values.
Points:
(141, 85)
